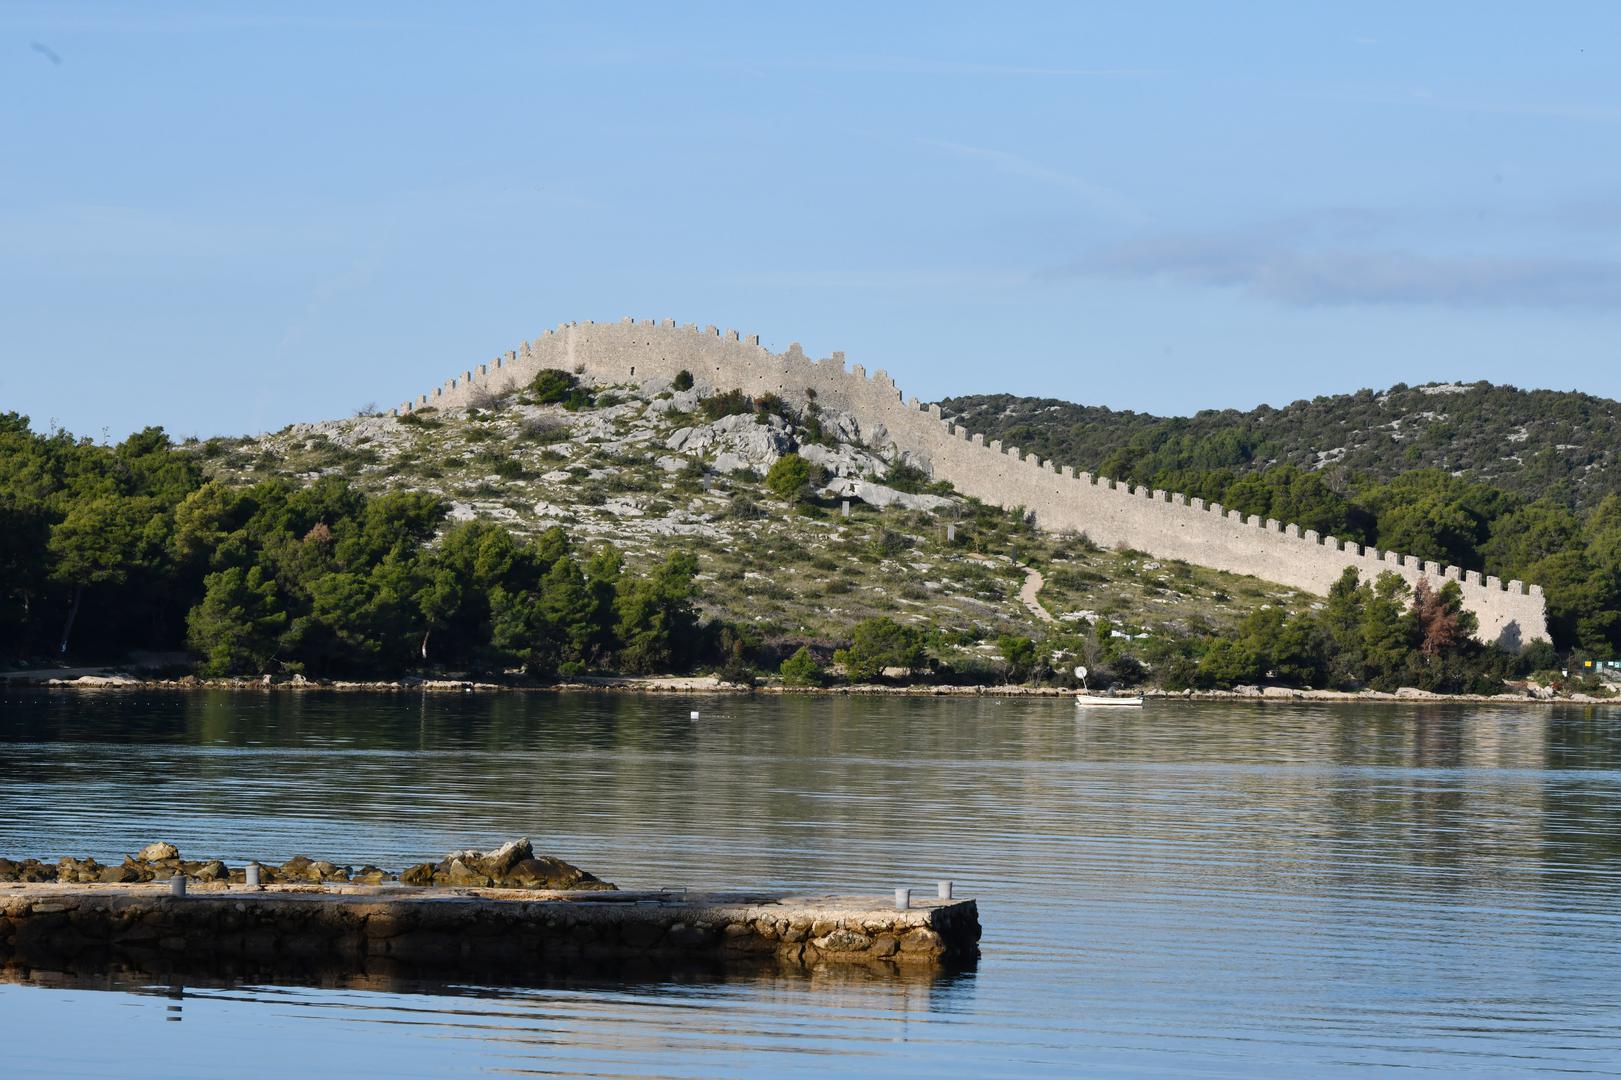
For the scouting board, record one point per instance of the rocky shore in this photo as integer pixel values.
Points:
(709, 684)
(513, 865)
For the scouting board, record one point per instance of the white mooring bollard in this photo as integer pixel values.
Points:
(252, 875)
(177, 885)
(903, 899)
(945, 890)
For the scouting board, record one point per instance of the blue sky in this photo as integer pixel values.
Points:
(223, 220)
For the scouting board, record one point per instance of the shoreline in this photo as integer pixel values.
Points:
(711, 685)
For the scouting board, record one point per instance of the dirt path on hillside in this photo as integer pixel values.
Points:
(1033, 581)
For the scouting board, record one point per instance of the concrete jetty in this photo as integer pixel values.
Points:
(463, 930)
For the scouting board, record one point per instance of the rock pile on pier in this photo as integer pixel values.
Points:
(513, 865)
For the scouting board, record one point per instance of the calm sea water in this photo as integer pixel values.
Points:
(1201, 890)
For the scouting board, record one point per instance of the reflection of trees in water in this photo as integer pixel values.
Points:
(845, 791)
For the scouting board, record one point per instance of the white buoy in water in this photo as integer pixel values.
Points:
(695, 714)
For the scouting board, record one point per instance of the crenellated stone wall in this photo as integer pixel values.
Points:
(1163, 524)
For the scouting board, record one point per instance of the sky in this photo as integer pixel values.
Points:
(224, 219)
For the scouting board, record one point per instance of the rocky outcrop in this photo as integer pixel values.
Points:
(737, 442)
(513, 865)
(873, 494)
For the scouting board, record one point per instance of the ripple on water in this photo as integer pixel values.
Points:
(1201, 890)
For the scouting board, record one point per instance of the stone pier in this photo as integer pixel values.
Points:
(452, 930)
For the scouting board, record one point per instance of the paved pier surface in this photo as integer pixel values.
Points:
(477, 929)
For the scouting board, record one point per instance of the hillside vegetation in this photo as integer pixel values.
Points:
(1534, 443)
(567, 529)
(1513, 483)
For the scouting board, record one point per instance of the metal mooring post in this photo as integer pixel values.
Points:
(903, 899)
(177, 885)
(252, 875)
(945, 890)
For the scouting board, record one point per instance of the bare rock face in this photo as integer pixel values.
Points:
(157, 852)
(737, 442)
(213, 870)
(420, 874)
(459, 873)
(513, 865)
(548, 873)
(879, 495)
(304, 868)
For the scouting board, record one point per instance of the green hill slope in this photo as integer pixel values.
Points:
(654, 472)
(1536, 443)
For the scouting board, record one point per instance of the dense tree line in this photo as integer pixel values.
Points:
(1380, 635)
(1560, 529)
(105, 548)
(1533, 443)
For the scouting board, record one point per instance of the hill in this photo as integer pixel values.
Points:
(569, 525)
(650, 470)
(1537, 443)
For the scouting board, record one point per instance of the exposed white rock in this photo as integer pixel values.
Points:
(843, 459)
(875, 494)
(737, 442)
(681, 401)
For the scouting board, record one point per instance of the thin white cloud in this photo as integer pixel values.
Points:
(1097, 197)
(1263, 263)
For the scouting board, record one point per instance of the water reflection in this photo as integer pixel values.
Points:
(1205, 889)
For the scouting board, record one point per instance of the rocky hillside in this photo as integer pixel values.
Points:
(652, 469)
(1533, 442)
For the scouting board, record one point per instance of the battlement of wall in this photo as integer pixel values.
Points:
(1166, 525)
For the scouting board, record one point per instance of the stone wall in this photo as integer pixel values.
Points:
(1163, 524)
(476, 929)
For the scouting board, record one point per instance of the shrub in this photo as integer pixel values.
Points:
(1019, 654)
(789, 478)
(904, 476)
(731, 403)
(801, 669)
(737, 671)
(683, 380)
(876, 644)
(551, 386)
(887, 544)
(545, 430)
(769, 404)
(744, 508)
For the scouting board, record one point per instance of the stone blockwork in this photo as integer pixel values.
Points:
(1163, 524)
(477, 929)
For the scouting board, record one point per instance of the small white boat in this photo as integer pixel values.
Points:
(1087, 700)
